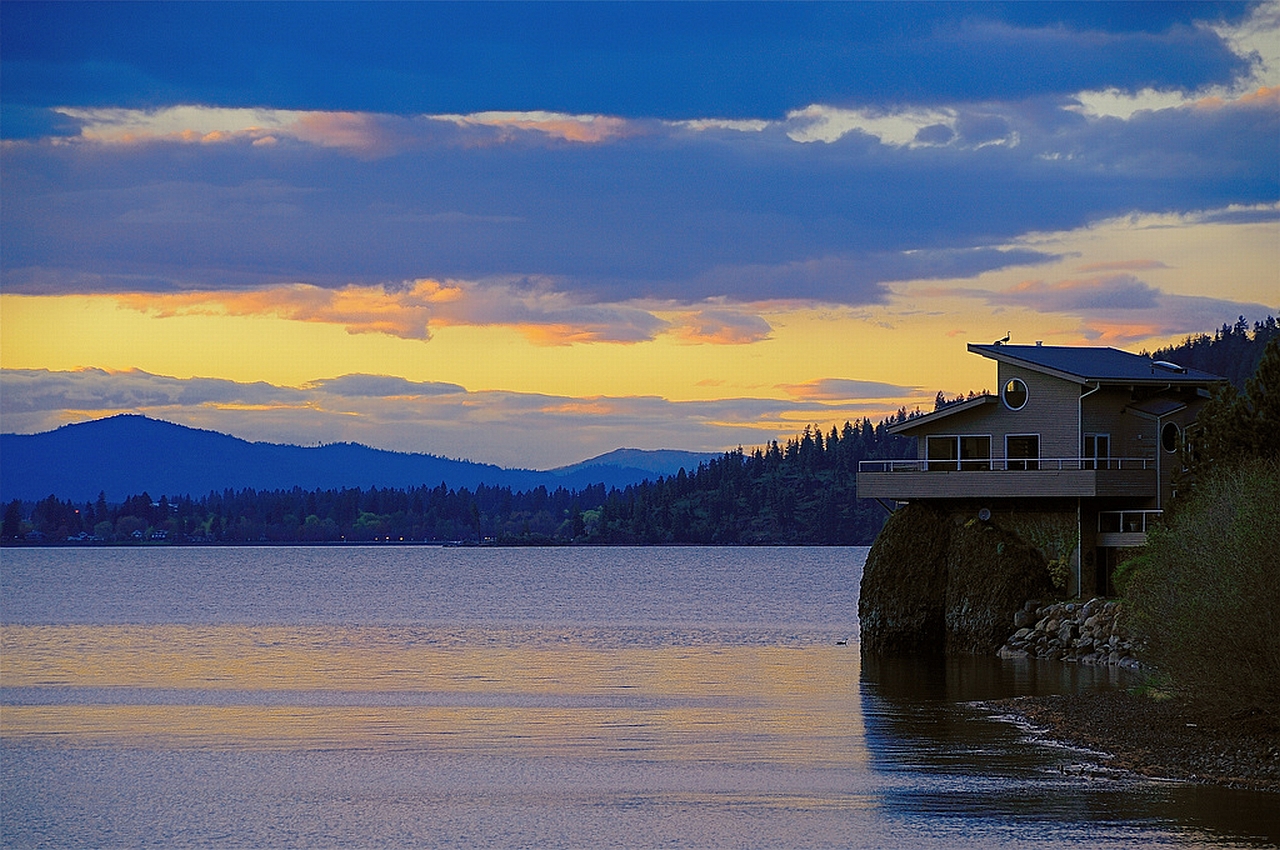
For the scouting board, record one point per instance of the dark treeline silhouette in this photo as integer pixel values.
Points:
(1233, 351)
(802, 492)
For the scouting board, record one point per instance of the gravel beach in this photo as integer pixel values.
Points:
(1164, 738)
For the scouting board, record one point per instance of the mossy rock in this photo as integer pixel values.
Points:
(938, 583)
(902, 600)
(991, 573)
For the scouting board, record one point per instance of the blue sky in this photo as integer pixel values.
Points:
(719, 213)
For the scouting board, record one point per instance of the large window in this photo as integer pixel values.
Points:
(1097, 451)
(966, 452)
(1022, 451)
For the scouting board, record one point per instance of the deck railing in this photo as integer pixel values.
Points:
(1127, 522)
(1001, 464)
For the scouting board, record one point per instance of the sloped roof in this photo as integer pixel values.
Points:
(942, 413)
(1094, 365)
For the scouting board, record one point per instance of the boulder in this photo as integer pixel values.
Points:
(936, 583)
(902, 600)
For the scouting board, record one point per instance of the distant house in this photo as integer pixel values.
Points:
(1084, 440)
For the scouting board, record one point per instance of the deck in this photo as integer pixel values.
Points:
(1000, 478)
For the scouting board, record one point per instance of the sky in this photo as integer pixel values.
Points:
(527, 234)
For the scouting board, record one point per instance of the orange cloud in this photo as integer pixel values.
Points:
(590, 407)
(1265, 97)
(544, 317)
(358, 309)
(586, 129)
(721, 327)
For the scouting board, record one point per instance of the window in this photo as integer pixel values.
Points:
(1169, 437)
(969, 452)
(1097, 451)
(975, 453)
(1014, 394)
(1022, 451)
(942, 453)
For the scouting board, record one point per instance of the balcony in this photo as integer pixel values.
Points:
(1007, 478)
(1125, 529)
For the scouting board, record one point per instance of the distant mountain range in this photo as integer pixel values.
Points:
(128, 454)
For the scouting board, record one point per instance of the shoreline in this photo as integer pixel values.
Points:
(1164, 739)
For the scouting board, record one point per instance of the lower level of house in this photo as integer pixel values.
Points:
(1084, 539)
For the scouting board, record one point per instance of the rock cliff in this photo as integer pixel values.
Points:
(937, 582)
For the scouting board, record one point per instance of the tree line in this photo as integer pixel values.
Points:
(800, 492)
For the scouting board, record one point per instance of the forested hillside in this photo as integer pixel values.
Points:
(1233, 351)
(800, 492)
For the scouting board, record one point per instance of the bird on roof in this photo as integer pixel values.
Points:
(1007, 334)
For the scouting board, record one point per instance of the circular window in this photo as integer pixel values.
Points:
(1169, 437)
(1014, 393)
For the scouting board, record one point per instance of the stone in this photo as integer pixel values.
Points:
(932, 585)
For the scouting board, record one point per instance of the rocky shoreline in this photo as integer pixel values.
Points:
(1161, 737)
(1087, 633)
(1165, 738)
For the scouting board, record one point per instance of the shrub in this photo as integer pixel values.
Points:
(1205, 593)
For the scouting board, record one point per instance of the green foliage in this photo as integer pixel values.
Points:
(1204, 594)
(1234, 426)
(802, 493)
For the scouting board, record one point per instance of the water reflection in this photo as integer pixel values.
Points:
(480, 691)
(952, 759)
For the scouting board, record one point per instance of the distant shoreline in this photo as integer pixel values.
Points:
(1166, 739)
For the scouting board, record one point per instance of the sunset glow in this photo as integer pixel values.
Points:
(543, 272)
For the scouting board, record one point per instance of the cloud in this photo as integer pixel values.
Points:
(509, 428)
(846, 389)
(722, 327)
(1105, 292)
(358, 309)
(409, 311)
(773, 58)
(665, 212)
(1113, 309)
(1123, 265)
(382, 386)
(90, 390)
(585, 129)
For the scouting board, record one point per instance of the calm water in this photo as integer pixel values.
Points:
(373, 697)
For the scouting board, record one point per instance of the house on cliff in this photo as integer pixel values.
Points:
(1078, 452)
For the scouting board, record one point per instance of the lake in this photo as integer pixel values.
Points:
(489, 697)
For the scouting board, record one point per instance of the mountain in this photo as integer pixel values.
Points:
(129, 454)
(654, 461)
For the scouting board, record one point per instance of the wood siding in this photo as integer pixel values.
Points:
(1051, 412)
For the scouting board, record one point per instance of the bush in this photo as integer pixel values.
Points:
(1205, 593)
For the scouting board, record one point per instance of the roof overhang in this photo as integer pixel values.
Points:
(1133, 369)
(937, 415)
(993, 352)
(1156, 408)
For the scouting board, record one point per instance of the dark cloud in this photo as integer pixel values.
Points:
(34, 122)
(620, 210)
(841, 389)
(744, 60)
(935, 134)
(382, 386)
